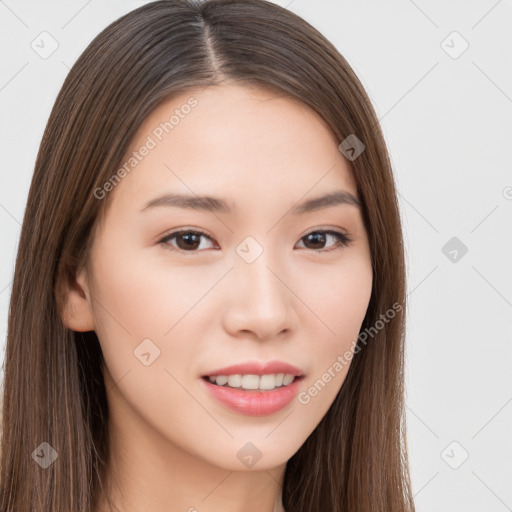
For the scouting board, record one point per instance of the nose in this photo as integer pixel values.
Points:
(260, 301)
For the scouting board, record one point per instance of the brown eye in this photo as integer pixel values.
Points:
(316, 240)
(186, 240)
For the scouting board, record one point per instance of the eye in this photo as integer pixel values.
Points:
(187, 240)
(319, 237)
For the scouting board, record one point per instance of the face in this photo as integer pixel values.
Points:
(180, 289)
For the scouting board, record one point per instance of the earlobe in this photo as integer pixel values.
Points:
(77, 313)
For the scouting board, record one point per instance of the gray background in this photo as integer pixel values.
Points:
(447, 119)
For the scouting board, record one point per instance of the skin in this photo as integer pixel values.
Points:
(174, 448)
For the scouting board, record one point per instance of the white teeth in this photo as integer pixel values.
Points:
(220, 380)
(288, 379)
(234, 381)
(266, 382)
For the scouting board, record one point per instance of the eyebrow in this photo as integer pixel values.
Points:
(216, 204)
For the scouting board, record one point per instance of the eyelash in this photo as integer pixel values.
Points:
(343, 239)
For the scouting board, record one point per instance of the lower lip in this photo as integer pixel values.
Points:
(254, 402)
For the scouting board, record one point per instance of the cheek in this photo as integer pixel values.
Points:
(144, 295)
(141, 317)
(338, 295)
(140, 298)
(347, 303)
(337, 299)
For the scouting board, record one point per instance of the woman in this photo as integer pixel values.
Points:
(208, 304)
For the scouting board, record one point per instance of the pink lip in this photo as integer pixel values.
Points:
(257, 368)
(254, 402)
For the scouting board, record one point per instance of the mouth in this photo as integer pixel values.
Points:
(254, 383)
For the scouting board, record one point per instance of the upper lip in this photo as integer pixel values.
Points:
(257, 368)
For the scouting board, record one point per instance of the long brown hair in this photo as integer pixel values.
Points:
(356, 458)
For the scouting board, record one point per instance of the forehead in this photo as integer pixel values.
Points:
(243, 143)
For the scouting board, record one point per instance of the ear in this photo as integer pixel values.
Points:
(77, 312)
